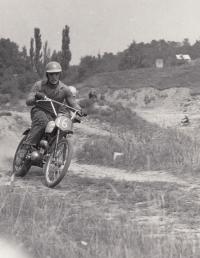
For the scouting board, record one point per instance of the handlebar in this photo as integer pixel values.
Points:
(46, 99)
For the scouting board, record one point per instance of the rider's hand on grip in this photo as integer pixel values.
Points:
(82, 113)
(39, 96)
(76, 120)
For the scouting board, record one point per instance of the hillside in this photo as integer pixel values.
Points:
(169, 77)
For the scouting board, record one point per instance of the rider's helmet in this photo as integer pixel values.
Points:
(53, 67)
(53, 70)
(73, 91)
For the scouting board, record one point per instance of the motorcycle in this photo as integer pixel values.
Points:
(54, 151)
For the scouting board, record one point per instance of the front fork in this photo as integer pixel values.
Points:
(56, 144)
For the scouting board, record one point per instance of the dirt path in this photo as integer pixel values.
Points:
(99, 172)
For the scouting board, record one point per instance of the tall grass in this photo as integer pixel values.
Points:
(144, 145)
(82, 223)
(168, 150)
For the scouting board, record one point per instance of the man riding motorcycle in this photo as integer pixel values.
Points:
(41, 114)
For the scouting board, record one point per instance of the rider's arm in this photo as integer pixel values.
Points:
(71, 101)
(30, 101)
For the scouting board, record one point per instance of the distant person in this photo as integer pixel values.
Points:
(92, 95)
(88, 104)
(54, 89)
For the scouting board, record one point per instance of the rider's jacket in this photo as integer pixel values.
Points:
(60, 92)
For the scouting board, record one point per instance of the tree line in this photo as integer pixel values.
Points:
(20, 68)
(138, 55)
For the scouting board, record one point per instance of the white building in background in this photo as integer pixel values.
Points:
(183, 58)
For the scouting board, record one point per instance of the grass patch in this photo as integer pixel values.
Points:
(144, 145)
(87, 219)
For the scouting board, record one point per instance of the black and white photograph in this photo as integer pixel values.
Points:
(99, 129)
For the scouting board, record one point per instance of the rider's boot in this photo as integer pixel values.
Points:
(27, 149)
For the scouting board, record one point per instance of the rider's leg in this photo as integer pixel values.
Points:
(39, 121)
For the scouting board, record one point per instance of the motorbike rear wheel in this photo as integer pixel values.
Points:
(21, 166)
(56, 167)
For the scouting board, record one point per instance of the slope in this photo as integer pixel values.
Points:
(169, 77)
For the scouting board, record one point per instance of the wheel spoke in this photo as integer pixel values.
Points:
(57, 166)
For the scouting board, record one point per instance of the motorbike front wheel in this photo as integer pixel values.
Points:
(57, 165)
(21, 165)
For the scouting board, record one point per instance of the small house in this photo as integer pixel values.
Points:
(183, 59)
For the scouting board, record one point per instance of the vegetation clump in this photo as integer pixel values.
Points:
(144, 145)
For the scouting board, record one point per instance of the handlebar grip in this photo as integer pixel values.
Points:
(76, 120)
(39, 96)
(82, 113)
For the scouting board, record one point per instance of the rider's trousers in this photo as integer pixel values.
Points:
(39, 119)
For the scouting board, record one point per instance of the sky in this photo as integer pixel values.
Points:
(98, 26)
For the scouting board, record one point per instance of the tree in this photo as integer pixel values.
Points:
(56, 56)
(186, 42)
(87, 67)
(32, 53)
(133, 56)
(24, 53)
(65, 52)
(11, 57)
(195, 51)
(46, 54)
(38, 47)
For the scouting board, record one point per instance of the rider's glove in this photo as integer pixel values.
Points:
(39, 96)
(77, 120)
(82, 113)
